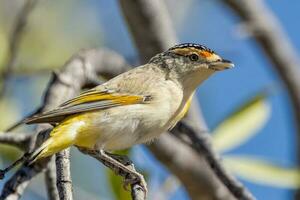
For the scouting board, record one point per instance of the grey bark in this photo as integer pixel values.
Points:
(50, 180)
(63, 173)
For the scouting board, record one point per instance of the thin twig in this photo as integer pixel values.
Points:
(14, 41)
(22, 159)
(15, 186)
(19, 140)
(50, 180)
(64, 180)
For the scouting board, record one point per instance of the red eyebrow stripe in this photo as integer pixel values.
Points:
(188, 51)
(205, 54)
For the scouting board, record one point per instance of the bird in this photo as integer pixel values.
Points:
(132, 108)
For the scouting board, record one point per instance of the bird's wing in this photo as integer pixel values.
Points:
(90, 100)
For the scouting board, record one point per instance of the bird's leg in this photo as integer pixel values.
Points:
(120, 158)
(116, 164)
(128, 163)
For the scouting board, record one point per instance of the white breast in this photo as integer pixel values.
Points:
(122, 127)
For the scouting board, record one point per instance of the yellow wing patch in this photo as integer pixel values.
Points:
(92, 96)
(88, 101)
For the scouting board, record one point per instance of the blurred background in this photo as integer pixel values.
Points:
(250, 99)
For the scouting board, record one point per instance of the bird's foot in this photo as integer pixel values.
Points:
(135, 178)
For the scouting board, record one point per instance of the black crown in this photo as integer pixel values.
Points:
(197, 46)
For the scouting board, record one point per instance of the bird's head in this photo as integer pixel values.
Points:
(191, 63)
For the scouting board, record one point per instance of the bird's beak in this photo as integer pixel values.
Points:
(221, 65)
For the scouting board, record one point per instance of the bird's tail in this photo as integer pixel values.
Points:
(61, 137)
(41, 152)
(29, 158)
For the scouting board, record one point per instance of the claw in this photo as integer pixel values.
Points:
(144, 185)
(134, 179)
(122, 167)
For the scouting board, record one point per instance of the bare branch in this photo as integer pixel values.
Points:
(19, 140)
(14, 188)
(200, 143)
(192, 171)
(50, 180)
(14, 41)
(64, 180)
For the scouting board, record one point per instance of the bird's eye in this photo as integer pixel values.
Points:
(193, 57)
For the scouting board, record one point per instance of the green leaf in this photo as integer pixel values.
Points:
(3, 47)
(116, 182)
(241, 124)
(263, 172)
(9, 112)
